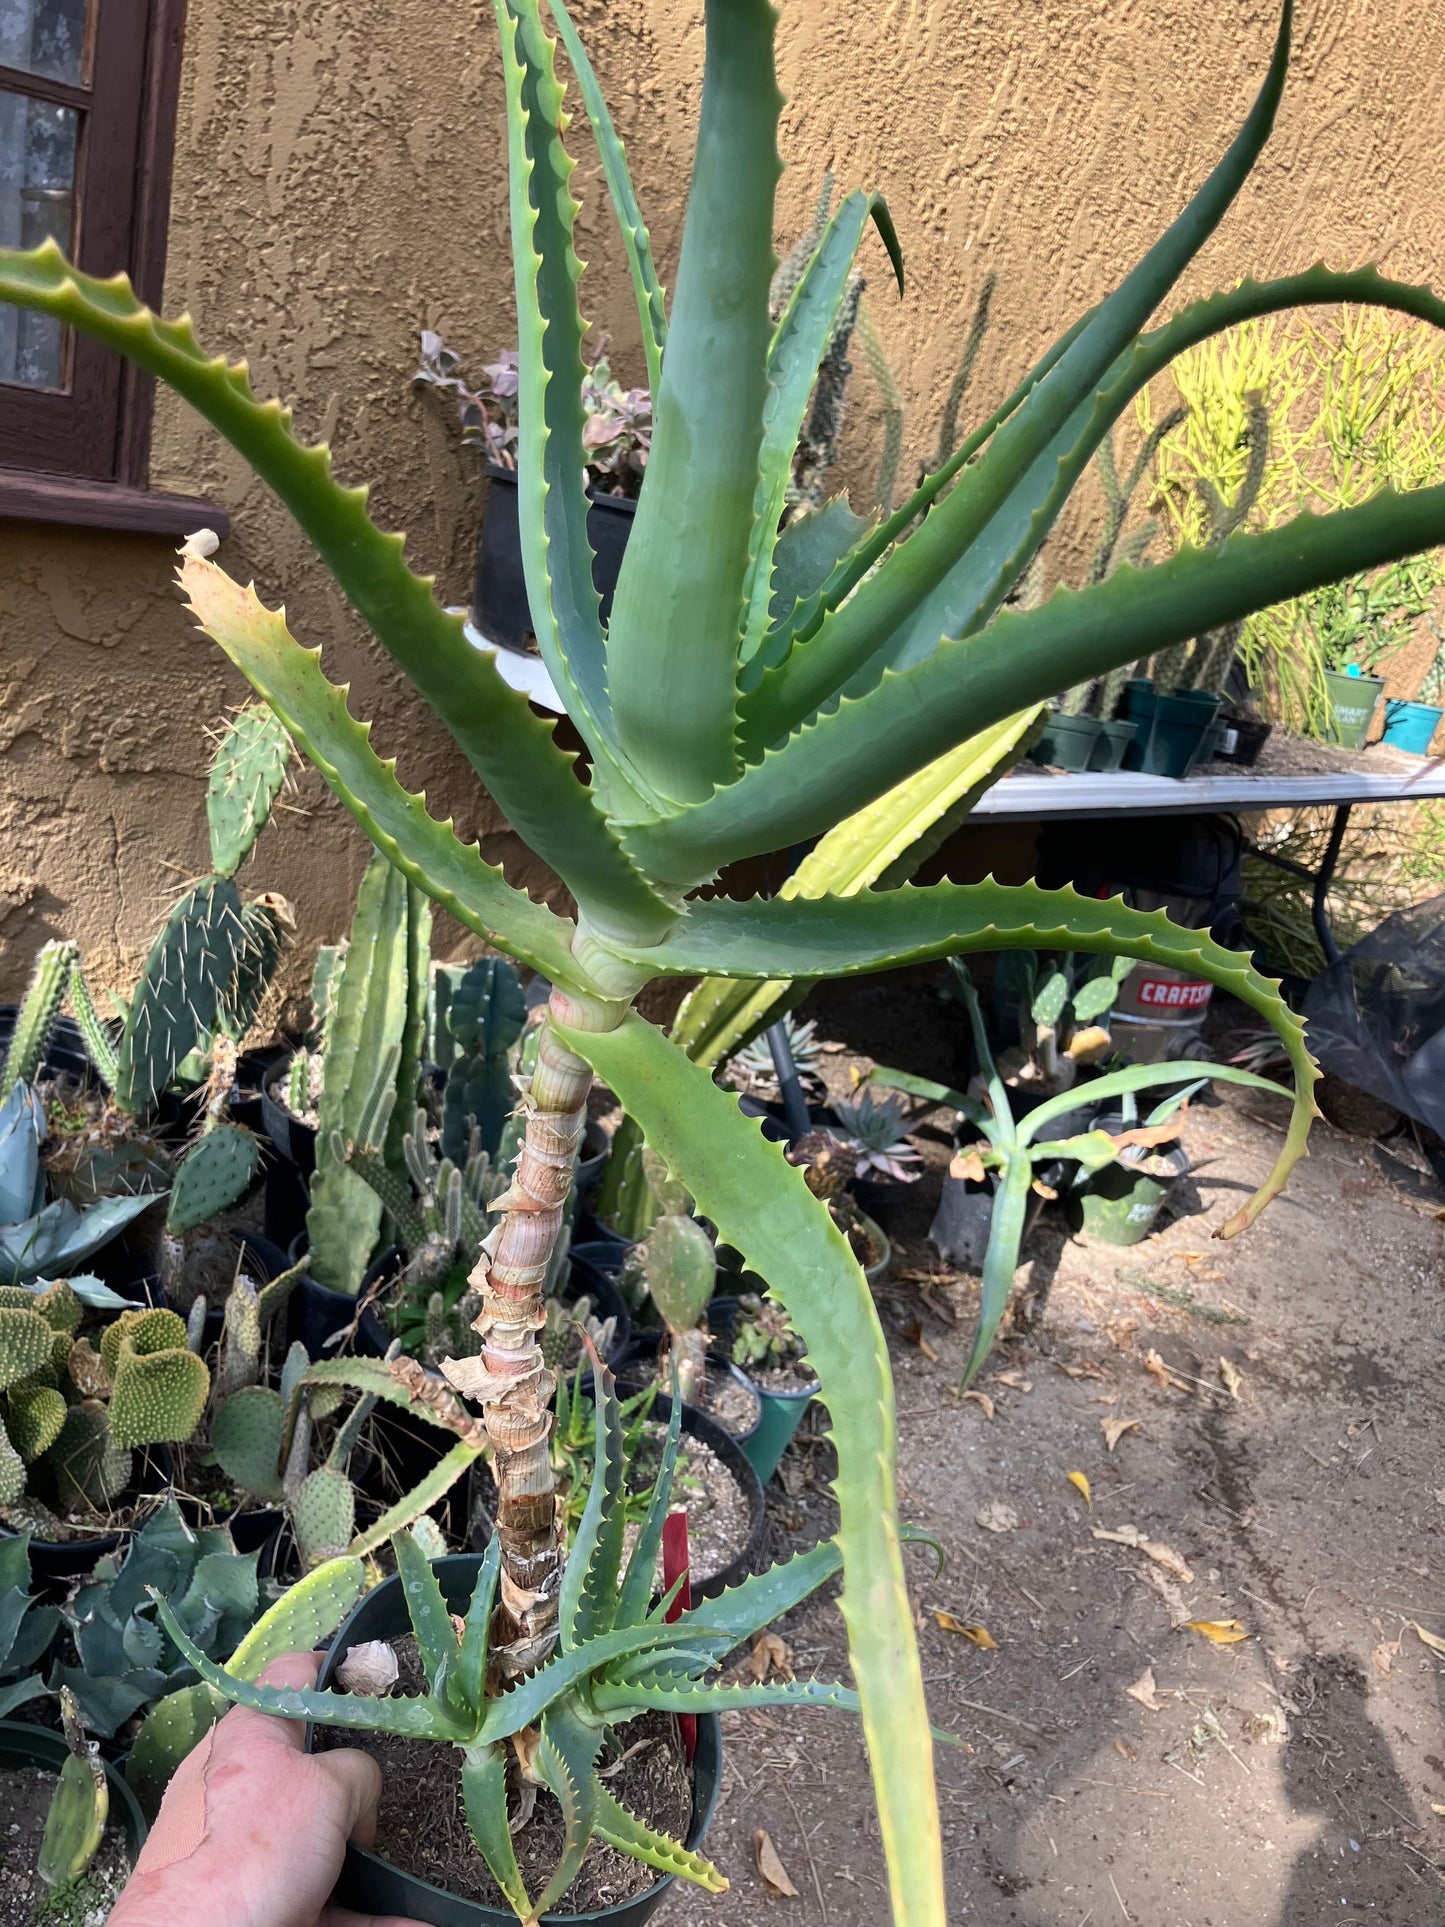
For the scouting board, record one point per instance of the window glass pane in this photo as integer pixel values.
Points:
(37, 189)
(44, 37)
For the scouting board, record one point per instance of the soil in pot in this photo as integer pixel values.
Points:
(25, 1899)
(422, 1828)
(719, 1519)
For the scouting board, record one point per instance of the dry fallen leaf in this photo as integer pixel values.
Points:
(770, 1654)
(1229, 1375)
(1154, 1549)
(1156, 1368)
(1435, 1807)
(1124, 1750)
(979, 1635)
(775, 1874)
(1432, 1640)
(1079, 1481)
(1085, 1369)
(1175, 1603)
(967, 1164)
(1225, 1632)
(1014, 1380)
(1115, 1428)
(914, 1334)
(1384, 1655)
(1440, 1495)
(996, 1517)
(982, 1401)
(1145, 1691)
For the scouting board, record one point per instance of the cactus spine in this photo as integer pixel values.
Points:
(247, 774)
(35, 1019)
(98, 1046)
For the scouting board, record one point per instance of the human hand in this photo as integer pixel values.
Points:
(252, 1831)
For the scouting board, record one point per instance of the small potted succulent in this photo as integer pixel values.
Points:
(873, 1132)
(769, 1352)
(616, 436)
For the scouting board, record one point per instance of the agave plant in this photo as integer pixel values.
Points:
(756, 686)
(616, 1657)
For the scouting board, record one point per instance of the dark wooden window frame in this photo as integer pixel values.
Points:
(83, 456)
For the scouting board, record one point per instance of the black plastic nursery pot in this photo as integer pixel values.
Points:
(24, 1746)
(1120, 1203)
(1067, 742)
(294, 1141)
(59, 1559)
(316, 1315)
(1242, 740)
(595, 1151)
(964, 1218)
(500, 610)
(881, 1199)
(371, 1885)
(587, 1277)
(263, 1260)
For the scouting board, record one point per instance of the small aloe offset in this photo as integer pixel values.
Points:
(616, 1658)
(761, 681)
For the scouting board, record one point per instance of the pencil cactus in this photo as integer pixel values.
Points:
(729, 709)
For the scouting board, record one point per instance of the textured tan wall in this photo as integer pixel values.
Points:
(340, 182)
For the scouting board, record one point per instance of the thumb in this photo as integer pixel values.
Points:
(357, 1779)
(343, 1917)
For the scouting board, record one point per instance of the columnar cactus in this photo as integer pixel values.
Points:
(480, 1015)
(35, 1019)
(374, 1008)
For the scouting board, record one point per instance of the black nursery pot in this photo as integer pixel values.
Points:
(315, 1313)
(697, 1425)
(59, 1559)
(371, 1885)
(264, 1259)
(594, 1275)
(500, 610)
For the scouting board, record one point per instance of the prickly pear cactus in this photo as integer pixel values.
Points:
(174, 1007)
(79, 1807)
(35, 1020)
(681, 1271)
(212, 1175)
(160, 1386)
(247, 773)
(323, 1516)
(25, 1341)
(246, 1439)
(91, 1470)
(485, 1015)
(369, 1013)
(34, 1418)
(265, 924)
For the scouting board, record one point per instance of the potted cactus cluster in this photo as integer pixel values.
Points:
(761, 682)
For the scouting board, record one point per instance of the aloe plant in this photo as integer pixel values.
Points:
(738, 703)
(616, 1657)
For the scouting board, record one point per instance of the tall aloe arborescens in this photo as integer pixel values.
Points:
(752, 690)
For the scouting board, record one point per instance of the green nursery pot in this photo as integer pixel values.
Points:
(1113, 740)
(782, 1415)
(1120, 1203)
(1171, 743)
(1067, 742)
(1352, 707)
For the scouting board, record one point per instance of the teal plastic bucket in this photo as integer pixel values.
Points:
(1352, 707)
(782, 1415)
(1410, 726)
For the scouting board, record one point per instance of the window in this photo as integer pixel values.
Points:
(87, 110)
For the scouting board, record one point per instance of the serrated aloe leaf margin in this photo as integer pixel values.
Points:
(314, 710)
(506, 742)
(762, 1207)
(880, 929)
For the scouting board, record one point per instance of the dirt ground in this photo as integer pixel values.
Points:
(1293, 1778)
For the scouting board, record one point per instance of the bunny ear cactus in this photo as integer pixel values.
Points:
(731, 708)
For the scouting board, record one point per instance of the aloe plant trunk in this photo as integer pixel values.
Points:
(509, 1377)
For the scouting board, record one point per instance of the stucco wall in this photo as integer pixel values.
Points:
(340, 182)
